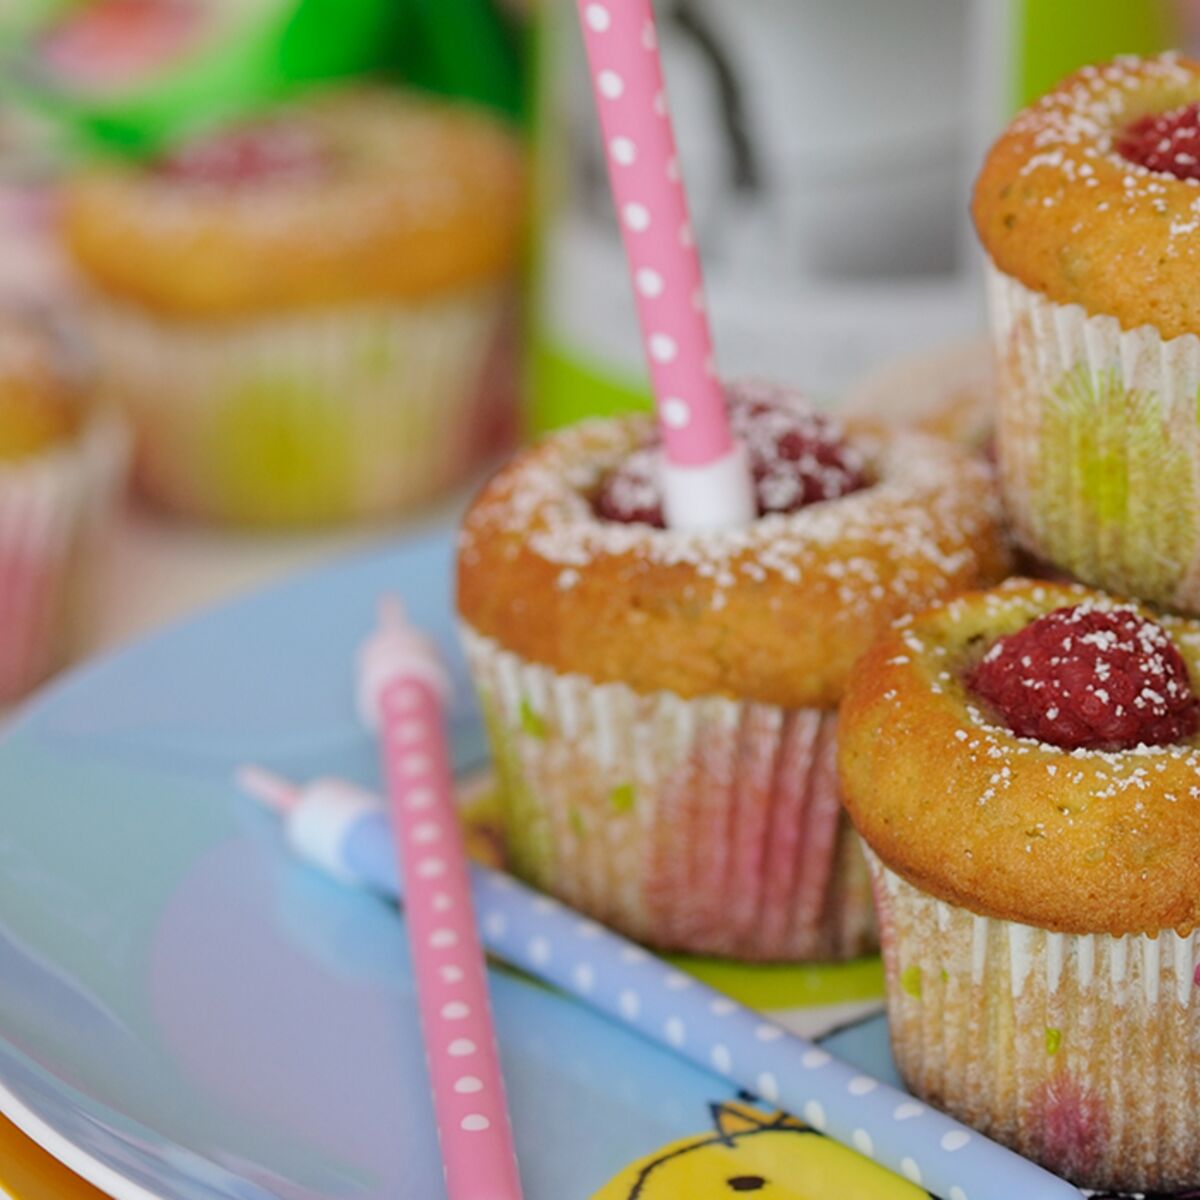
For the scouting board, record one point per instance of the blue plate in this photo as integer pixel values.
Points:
(186, 1012)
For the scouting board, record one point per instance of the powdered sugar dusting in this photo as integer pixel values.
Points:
(1133, 772)
(930, 515)
(1086, 123)
(1166, 142)
(797, 456)
(341, 164)
(1089, 676)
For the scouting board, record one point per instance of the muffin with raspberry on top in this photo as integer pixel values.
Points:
(1023, 765)
(1088, 207)
(307, 313)
(661, 704)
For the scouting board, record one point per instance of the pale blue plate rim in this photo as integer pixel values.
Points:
(111, 1149)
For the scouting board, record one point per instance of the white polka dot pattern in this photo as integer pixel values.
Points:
(472, 1121)
(611, 85)
(710, 1030)
(863, 1142)
(596, 17)
(644, 174)
(649, 283)
(717, 1033)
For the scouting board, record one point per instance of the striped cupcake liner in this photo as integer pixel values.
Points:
(55, 510)
(308, 418)
(1079, 1051)
(1099, 444)
(708, 826)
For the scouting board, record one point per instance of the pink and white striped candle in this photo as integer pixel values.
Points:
(706, 481)
(402, 692)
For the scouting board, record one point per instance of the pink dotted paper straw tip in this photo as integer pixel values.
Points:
(706, 482)
(401, 679)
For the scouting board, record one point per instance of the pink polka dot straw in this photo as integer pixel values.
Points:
(706, 480)
(402, 689)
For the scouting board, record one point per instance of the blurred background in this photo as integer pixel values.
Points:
(282, 277)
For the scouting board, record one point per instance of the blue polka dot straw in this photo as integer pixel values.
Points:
(345, 831)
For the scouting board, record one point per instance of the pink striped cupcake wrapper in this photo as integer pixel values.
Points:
(1098, 444)
(1080, 1051)
(54, 512)
(707, 826)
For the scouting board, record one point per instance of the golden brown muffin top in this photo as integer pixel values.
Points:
(1058, 208)
(409, 199)
(1079, 841)
(776, 611)
(40, 390)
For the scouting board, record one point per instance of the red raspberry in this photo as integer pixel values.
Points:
(797, 457)
(1090, 678)
(1168, 142)
(630, 495)
(269, 151)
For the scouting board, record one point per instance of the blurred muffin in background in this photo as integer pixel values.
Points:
(62, 464)
(33, 151)
(949, 393)
(305, 315)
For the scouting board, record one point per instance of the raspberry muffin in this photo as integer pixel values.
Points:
(1024, 767)
(306, 316)
(661, 704)
(60, 471)
(1088, 210)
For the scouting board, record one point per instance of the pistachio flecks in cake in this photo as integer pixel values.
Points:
(1113, 475)
(797, 457)
(622, 798)
(1089, 678)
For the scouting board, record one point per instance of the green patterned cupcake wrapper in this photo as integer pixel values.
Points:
(1099, 444)
(55, 512)
(309, 418)
(1079, 1051)
(708, 826)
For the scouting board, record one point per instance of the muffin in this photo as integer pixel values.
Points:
(305, 316)
(950, 393)
(1088, 210)
(61, 467)
(662, 704)
(1023, 765)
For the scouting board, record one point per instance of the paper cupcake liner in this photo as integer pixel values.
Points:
(1099, 444)
(1079, 1051)
(306, 418)
(710, 826)
(54, 513)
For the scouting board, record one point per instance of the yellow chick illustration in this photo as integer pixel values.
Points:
(766, 1156)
